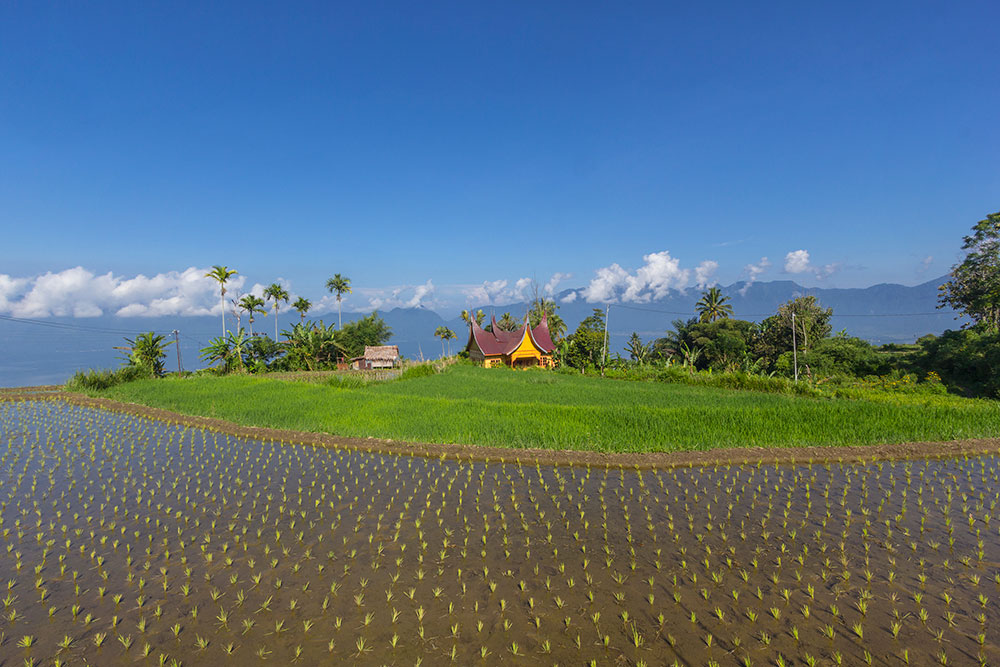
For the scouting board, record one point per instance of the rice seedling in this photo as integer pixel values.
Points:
(732, 534)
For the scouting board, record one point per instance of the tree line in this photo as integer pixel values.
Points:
(799, 337)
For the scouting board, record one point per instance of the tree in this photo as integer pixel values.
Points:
(713, 306)
(507, 323)
(311, 346)
(966, 360)
(147, 351)
(253, 305)
(237, 308)
(445, 334)
(479, 315)
(638, 350)
(275, 292)
(974, 288)
(340, 286)
(586, 344)
(369, 330)
(221, 275)
(228, 350)
(812, 324)
(670, 345)
(302, 305)
(724, 344)
(556, 325)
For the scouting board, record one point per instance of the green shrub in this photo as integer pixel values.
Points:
(97, 379)
(418, 371)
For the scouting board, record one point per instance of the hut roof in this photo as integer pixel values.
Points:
(381, 352)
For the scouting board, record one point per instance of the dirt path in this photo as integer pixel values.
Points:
(747, 455)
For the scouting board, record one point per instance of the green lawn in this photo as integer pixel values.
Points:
(503, 408)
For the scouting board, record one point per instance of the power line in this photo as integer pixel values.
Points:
(71, 327)
(79, 327)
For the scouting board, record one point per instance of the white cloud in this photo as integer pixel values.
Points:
(569, 298)
(925, 265)
(420, 293)
(407, 296)
(607, 283)
(11, 290)
(495, 292)
(78, 292)
(653, 280)
(798, 261)
(550, 287)
(704, 274)
(753, 272)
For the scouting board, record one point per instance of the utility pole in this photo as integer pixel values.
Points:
(604, 350)
(795, 350)
(177, 344)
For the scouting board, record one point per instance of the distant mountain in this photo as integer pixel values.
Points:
(50, 350)
(881, 313)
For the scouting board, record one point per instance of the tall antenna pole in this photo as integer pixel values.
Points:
(177, 344)
(795, 350)
(604, 350)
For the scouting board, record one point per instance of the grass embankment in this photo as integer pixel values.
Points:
(554, 411)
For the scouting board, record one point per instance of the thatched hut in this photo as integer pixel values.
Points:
(377, 356)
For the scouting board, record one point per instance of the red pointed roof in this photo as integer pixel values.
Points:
(541, 334)
(499, 342)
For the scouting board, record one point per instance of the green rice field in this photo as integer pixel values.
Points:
(125, 540)
(469, 405)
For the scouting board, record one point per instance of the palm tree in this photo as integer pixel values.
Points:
(507, 323)
(479, 316)
(340, 286)
(302, 305)
(713, 306)
(221, 274)
(227, 350)
(253, 305)
(445, 334)
(638, 350)
(276, 293)
(147, 351)
(548, 307)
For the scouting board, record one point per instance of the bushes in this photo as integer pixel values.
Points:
(737, 380)
(418, 371)
(102, 379)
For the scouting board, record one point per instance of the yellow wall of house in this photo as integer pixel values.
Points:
(526, 349)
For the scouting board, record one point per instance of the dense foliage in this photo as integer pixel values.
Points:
(796, 341)
(307, 346)
(974, 288)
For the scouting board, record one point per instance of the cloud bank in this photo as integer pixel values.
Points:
(653, 280)
(798, 261)
(78, 292)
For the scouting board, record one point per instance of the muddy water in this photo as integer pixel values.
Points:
(124, 537)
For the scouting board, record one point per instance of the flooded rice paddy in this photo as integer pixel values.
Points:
(128, 540)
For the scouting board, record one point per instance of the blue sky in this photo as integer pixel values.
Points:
(474, 144)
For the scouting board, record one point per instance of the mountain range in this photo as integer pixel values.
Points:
(50, 350)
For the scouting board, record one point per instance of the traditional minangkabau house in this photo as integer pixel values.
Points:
(521, 348)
